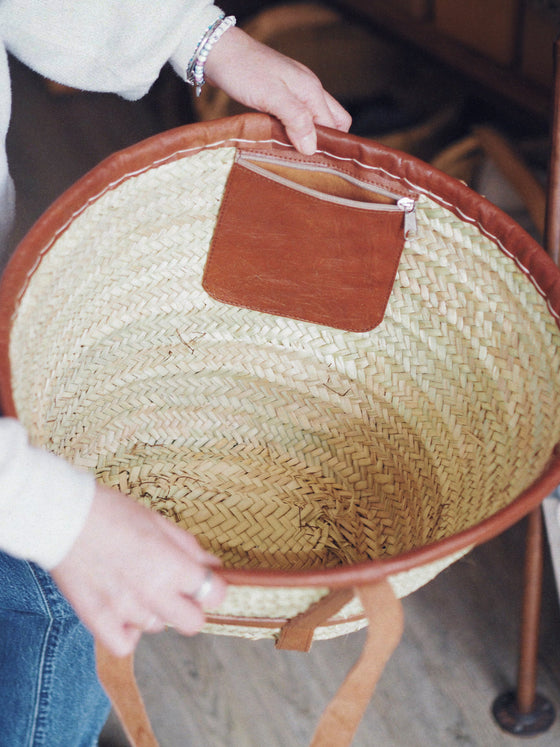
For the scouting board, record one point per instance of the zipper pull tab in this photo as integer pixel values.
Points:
(408, 205)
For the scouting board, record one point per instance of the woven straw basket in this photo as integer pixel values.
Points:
(335, 390)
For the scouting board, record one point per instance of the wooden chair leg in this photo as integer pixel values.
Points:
(524, 712)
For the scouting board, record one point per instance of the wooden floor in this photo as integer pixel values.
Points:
(458, 652)
(459, 649)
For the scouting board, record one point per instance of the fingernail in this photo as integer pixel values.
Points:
(308, 145)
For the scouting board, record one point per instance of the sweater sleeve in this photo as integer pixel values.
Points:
(44, 502)
(7, 196)
(116, 46)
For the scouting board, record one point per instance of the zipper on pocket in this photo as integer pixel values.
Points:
(407, 205)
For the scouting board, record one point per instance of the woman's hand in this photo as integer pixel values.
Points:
(261, 78)
(132, 571)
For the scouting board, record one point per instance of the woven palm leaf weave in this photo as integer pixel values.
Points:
(285, 445)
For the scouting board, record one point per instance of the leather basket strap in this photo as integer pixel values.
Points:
(342, 716)
(297, 633)
(117, 677)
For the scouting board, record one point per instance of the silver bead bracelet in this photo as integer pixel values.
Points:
(195, 68)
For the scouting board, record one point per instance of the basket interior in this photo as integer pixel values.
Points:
(283, 444)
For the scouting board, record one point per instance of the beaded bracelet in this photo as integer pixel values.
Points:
(195, 68)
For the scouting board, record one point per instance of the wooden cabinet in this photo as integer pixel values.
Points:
(540, 26)
(505, 45)
(485, 26)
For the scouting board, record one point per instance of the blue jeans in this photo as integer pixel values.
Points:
(49, 691)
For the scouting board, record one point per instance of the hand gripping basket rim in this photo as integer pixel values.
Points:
(248, 130)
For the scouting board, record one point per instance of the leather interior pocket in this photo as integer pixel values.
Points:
(307, 244)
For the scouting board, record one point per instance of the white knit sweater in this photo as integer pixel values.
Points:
(107, 45)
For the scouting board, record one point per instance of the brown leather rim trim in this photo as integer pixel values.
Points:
(252, 131)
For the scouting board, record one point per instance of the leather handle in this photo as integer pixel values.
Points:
(342, 716)
(118, 680)
(297, 633)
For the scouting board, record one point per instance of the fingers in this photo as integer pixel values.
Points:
(301, 132)
(173, 597)
(305, 88)
(341, 119)
(122, 641)
(184, 611)
(119, 622)
(132, 571)
(303, 104)
(108, 626)
(179, 603)
(205, 588)
(152, 624)
(264, 79)
(300, 120)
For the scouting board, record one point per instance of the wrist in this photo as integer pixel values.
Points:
(196, 68)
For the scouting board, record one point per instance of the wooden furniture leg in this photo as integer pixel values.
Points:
(530, 615)
(524, 712)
